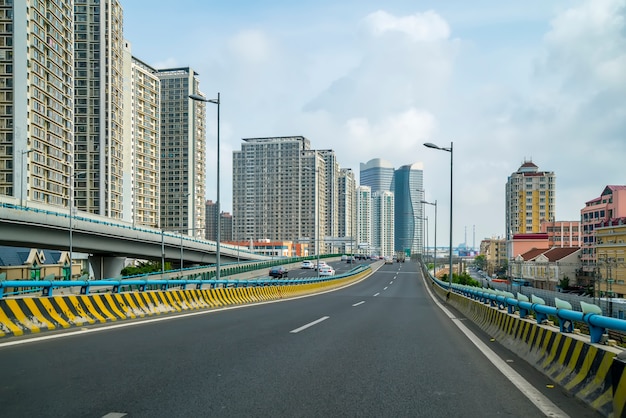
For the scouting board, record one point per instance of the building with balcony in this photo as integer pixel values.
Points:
(183, 152)
(37, 71)
(383, 206)
(99, 108)
(494, 250)
(562, 233)
(529, 199)
(364, 219)
(610, 253)
(279, 191)
(611, 204)
(142, 142)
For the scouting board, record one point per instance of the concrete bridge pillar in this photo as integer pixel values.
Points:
(106, 267)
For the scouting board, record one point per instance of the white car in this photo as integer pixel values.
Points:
(322, 265)
(306, 264)
(327, 271)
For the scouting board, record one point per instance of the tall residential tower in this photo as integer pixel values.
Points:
(36, 100)
(183, 152)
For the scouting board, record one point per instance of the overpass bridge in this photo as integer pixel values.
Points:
(108, 242)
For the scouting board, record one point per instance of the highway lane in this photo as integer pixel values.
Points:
(377, 348)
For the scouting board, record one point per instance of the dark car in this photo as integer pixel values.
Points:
(278, 272)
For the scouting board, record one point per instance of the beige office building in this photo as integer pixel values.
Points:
(36, 103)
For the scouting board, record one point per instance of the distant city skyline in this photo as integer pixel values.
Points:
(540, 81)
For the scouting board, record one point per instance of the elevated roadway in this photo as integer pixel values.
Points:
(107, 241)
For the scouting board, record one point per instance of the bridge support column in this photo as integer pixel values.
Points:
(106, 267)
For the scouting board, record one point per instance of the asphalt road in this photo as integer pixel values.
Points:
(379, 348)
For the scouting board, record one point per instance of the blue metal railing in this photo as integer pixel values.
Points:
(597, 323)
(47, 286)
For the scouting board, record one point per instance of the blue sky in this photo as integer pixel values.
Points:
(506, 81)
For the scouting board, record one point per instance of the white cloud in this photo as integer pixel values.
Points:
(251, 47)
(427, 26)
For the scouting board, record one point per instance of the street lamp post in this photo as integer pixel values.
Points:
(199, 98)
(317, 213)
(450, 150)
(23, 174)
(71, 205)
(435, 252)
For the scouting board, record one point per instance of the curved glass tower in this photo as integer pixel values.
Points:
(408, 188)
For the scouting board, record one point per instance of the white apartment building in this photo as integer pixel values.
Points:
(364, 219)
(183, 152)
(142, 115)
(36, 100)
(98, 97)
(383, 223)
(331, 197)
(279, 189)
(347, 209)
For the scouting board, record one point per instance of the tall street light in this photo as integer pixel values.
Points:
(23, 174)
(199, 98)
(317, 215)
(71, 205)
(424, 202)
(450, 150)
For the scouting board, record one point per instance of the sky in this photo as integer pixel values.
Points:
(502, 82)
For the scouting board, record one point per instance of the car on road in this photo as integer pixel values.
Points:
(327, 271)
(306, 264)
(278, 272)
(322, 265)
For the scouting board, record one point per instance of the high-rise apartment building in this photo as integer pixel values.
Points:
(279, 191)
(226, 223)
(36, 100)
(377, 174)
(183, 152)
(408, 191)
(530, 199)
(347, 209)
(98, 97)
(331, 197)
(142, 142)
(382, 223)
(364, 219)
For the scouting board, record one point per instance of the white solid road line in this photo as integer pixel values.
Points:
(545, 405)
(359, 303)
(310, 324)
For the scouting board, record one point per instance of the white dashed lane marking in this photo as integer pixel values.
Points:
(359, 303)
(310, 324)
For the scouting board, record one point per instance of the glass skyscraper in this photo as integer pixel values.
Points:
(408, 188)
